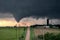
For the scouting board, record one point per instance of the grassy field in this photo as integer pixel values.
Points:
(39, 31)
(12, 33)
(35, 32)
(32, 35)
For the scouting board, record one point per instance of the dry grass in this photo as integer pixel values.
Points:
(41, 31)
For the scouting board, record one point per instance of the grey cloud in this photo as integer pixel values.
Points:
(6, 15)
(55, 21)
(42, 21)
(23, 8)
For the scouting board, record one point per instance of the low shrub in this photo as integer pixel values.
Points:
(49, 36)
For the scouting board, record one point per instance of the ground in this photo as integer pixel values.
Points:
(24, 33)
(12, 33)
(28, 34)
(41, 31)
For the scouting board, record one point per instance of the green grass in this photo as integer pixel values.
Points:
(12, 33)
(32, 35)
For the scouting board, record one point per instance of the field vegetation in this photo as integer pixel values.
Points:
(11, 33)
(45, 34)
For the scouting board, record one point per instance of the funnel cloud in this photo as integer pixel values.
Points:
(26, 8)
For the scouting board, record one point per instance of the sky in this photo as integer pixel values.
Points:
(15, 10)
(8, 19)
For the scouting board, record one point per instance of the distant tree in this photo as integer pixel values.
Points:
(15, 26)
(34, 26)
(59, 26)
(51, 26)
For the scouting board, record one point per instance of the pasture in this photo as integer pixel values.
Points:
(11, 33)
(40, 32)
(19, 33)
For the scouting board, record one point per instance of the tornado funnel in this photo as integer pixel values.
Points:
(17, 17)
(22, 12)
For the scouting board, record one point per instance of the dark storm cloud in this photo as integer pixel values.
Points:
(6, 15)
(23, 8)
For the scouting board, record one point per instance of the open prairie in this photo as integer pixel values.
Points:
(8, 33)
(37, 32)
